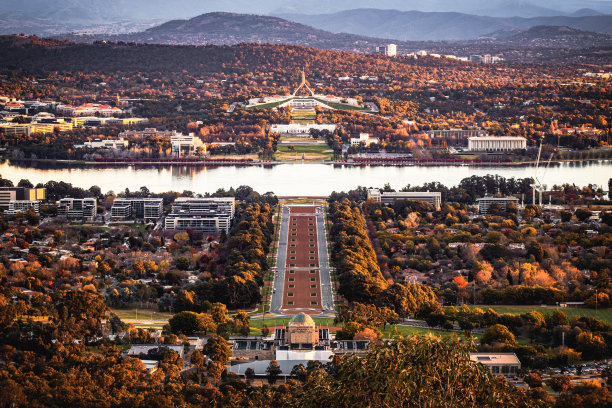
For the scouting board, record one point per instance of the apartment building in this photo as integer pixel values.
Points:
(149, 209)
(20, 206)
(484, 204)
(434, 198)
(78, 208)
(208, 215)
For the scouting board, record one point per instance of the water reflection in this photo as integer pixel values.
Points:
(288, 179)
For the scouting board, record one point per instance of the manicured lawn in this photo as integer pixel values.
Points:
(283, 321)
(311, 151)
(602, 314)
(266, 105)
(340, 106)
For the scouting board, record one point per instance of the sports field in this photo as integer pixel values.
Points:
(602, 314)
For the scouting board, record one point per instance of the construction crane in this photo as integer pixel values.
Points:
(537, 183)
(535, 174)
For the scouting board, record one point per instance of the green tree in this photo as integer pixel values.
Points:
(533, 380)
(182, 263)
(274, 371)
(559, 383)
(417, 371)
(191, 322)
(217, 349)
(498, 333)
(219, 313)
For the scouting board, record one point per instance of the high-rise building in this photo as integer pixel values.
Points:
(390, 50)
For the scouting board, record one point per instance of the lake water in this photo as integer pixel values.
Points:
(290, 179)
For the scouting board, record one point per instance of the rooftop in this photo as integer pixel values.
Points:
(302, 319)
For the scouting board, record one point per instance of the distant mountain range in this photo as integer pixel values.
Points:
(230, 29)
(417, 25)
(120, 16)
(553, 37)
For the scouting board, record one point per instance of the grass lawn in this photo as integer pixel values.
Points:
(283, 321)
(143, 314)
(314, 151)
(341, 106)
(601, 314)
(266, 105)
(408, 331)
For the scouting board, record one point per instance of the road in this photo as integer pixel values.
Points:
(327, 297)
(276, 300)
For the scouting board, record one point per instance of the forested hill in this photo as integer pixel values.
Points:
(16, 53)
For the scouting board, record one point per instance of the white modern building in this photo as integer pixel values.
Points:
(364, 138)
(78, 208)
(496, 143)
(506, 364)
(484, 204)
(204, 205)
(137, 208)
(434, 198)
(390, 50)
(185, 144)
(455, 133)
(147, 133)
(89, 109)
(104, 144)
(297, 129)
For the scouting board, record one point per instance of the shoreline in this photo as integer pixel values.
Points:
(238, 163)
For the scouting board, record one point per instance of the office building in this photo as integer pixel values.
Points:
(506, 364)
(364, 138)
(104, 144)
(8, 194)
(390, 50)
(433, 198)
(78, 208)
(185, 144)
(89, 109)
(455, 133)
(484, 204)
(147, 134)
(149, 209)
(496, 143)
